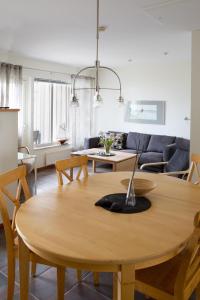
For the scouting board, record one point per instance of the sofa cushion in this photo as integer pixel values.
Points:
(178, 162)
(169, 151)
(182, 144)
(129, 151)
(158, 143)
(149, 157)
(137, 141)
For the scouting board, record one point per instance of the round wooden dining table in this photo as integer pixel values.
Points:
(65, 227)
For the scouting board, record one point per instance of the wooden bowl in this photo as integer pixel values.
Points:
(62, 141)
(141, 186)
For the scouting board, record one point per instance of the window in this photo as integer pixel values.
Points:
(51, 111)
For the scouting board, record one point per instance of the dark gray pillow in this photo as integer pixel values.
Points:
(137, 140)
(92, 142)
(169, 152)
(158, 143)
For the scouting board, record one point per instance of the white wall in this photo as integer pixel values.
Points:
(195, 103)
(8, 150)
(168, 81)
(13, 58)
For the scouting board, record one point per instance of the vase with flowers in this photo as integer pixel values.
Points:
(107, 141)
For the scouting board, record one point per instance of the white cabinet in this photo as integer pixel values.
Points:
(8, 142)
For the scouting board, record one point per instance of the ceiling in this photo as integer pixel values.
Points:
(63, 31)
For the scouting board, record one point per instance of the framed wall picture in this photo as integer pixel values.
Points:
(146, 112)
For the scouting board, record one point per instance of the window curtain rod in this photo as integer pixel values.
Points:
(50, 81)
(63, 73)
(48, 71)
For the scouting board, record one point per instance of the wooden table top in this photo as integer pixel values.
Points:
(118, 157)
(64, 223)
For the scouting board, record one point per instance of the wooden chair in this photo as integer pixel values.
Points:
(192, 172)
(65, 167)
(194, 168)
(18, 175)
(177, 278)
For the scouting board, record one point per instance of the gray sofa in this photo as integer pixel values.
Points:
(153, 148)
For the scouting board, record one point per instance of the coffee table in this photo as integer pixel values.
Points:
(120, 161)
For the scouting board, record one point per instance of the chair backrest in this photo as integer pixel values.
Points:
(24, 149)
(189, 272)
(194, 169)
(17, 175)
(68, 164)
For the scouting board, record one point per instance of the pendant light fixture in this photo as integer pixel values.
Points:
(97, 67)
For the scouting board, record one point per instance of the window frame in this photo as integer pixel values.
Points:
(52, 82)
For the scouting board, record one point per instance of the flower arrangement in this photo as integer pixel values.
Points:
(107, 141)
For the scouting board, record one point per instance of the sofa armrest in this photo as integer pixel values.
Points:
(160, 163)
(92, 142)
(169, 151)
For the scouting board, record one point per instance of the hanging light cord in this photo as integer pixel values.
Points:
(97, 67)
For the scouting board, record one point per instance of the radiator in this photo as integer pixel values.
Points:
(51, 157)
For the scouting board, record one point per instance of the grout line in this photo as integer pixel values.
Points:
(88, 286)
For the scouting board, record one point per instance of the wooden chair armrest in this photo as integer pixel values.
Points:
(160, 163)
(176, 173)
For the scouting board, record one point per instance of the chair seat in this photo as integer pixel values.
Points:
(162, 276)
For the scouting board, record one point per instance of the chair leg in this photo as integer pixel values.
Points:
(60, 283)
(197, 292)
(96, 278)
(11, 278)
(79, 274)
(115, 287)
(33, 268)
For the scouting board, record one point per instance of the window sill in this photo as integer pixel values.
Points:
(52, 147)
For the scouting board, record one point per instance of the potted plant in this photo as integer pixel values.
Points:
(107, 141)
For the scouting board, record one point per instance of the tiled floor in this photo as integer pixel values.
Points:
(43, 286)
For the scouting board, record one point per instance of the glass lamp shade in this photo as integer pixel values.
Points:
(97, 100)
(120, 100)
(75, 101)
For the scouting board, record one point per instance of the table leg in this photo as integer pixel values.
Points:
(115, 286)
(24, 256)
(60, 283)
(94, 166)
(123, 283)
(114, 167)
(35, 171)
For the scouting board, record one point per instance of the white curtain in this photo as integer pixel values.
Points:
(61, 96)
(10, 85)
(43, 110)
(11, 90)
(83, 116)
